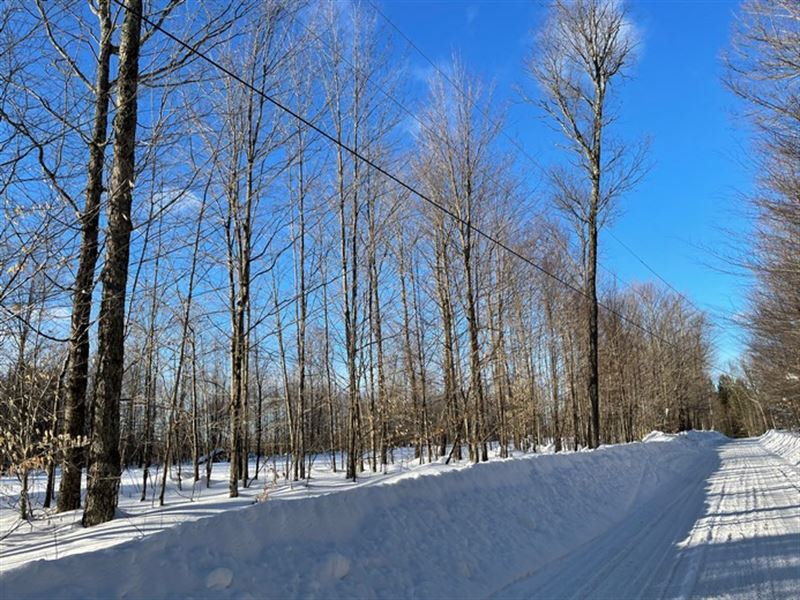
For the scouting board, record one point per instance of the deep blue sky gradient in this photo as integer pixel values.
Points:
(689, 208)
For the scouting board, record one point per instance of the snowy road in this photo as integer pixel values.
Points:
(734, 532)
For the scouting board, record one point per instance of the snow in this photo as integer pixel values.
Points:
(785, 445)
(731, 530)
(659, 436)
(53, 536)
(219, 578)
(678, 516)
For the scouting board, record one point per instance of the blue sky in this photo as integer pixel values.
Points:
(689, 208)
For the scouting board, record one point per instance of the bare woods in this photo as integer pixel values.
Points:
(188, 269)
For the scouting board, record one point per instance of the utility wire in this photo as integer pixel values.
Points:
(389, 96)
(656, 274)
(490, 238)
(522, 151)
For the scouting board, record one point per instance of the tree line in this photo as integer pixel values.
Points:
(188, 269)
(763, 70)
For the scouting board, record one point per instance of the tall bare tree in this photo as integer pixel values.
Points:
(582, 52)
(456, 163)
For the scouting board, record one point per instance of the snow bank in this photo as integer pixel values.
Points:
(659, 436)
(51, 535)
(460, 533)
(783, 443)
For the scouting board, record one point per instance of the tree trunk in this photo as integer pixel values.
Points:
(195, 421)
(328, 374)
(553, 360)
(593, 374)
(104, 475)
(69, 495)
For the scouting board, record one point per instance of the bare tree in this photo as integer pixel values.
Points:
(438, 338)
(359, 120)
(764, 71)
(455, 168)
(584, 49)
(104, 474)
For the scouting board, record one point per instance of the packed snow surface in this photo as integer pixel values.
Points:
(678, 516)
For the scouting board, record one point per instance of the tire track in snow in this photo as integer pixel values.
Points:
(731, 532)
(691, 557)
(583, 571)
(747, 544)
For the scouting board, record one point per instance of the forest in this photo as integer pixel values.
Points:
(234, 230)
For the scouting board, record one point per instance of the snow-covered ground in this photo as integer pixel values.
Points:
(52, 536)
(692, 515)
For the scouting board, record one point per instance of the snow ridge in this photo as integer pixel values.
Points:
(784, 444)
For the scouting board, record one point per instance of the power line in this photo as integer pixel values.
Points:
(522, 150)
(415, 117)
(490, 238)
(509, 138)
(530, 159)
(429, 131)
(654, 272)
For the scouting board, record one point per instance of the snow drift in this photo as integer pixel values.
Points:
(784, 444)
(429, 536)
